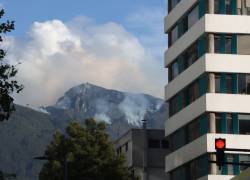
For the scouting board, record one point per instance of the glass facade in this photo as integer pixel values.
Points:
(188, 133)
(188, 95)
(200, 167)
(223, 44)
(229, 123)
(186, 59)
(192, 170)
(186, 22)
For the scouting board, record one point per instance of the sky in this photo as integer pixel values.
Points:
(116, 44)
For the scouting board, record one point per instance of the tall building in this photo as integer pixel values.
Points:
(208, 61)
(144, 150)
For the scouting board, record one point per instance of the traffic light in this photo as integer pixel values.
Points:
(220, 146)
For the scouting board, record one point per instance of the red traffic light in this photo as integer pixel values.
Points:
(220, 143)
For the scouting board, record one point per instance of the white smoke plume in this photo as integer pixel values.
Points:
(56, 56)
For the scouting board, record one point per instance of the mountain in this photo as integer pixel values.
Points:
(23, 137)
(28, 131)
(120, 110)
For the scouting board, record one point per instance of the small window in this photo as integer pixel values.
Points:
(229, 124)
(216, 7)
(242, 88)
(164, 144)
(152, 143)
(217, 44)
(248, 83)
(193, 17)
(173, 35)
(126, 147)
(228, 7)
(217, 83)
(229, 83)
(228, 44)
(244, 124)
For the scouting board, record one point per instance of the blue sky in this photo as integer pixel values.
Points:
(25, 12)
(117, 44)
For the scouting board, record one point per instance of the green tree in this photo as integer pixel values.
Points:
(8, 84)
(89, 152)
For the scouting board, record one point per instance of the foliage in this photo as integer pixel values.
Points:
(8, 84)
(89, 152)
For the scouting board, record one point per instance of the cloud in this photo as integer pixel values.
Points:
(58, 55)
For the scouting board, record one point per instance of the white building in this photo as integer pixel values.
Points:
(208, 59)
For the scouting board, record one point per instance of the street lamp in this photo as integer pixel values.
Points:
(65, 162)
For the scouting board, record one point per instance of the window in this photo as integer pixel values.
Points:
(178, 139)
(244, 83)
(172, 4)
(175, 69)
(230, 167)
(153, 143)
(179, 173)
(216, 7)
(228, 6)
(126, 147)
(229, 124)
(217, 83)
(164, 144)
(244, 158)
(173, 105)
(217, 44)
(191, 55)
(224, 125)
(242, 88)
(193, 16)
(223, 7)
(244, 124)
(218, 123)
(193, 92)
(192, 170)
(224, 83)
(173, 35)
(248, 83)
(228, 47)
(193, 130)
(229, 83)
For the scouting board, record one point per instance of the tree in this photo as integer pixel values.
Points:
(89, 152)
(8, 84)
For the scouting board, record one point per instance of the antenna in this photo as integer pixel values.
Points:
(144, 124)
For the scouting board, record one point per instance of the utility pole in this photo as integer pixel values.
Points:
(144, 162)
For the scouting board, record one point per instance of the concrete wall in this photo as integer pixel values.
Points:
(154, 157)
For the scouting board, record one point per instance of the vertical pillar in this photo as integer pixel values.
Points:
(239, 7)
(211, 89)
(211, 6)
(210, 43)
(211, 83)
(212, 129)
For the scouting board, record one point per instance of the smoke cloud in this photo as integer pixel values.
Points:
(56, 56)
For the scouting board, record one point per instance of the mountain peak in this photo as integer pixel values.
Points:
(109, 105)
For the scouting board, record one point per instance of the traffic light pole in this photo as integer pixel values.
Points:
(220, 147)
